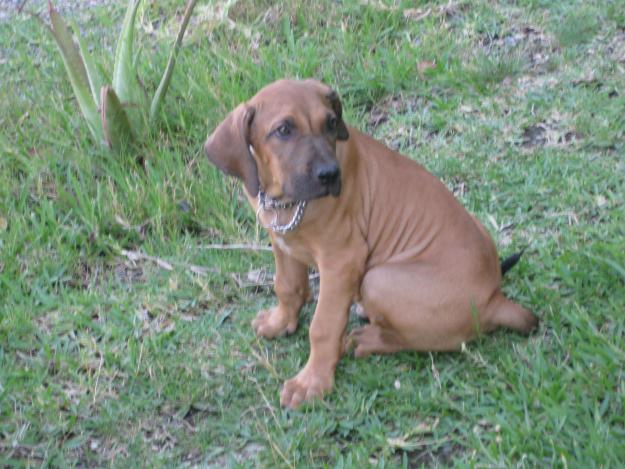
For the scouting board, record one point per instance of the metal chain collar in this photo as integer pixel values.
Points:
(266, 203)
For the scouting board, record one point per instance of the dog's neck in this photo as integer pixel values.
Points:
(269, 204)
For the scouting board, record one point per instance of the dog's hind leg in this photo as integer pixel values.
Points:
(373, 338)
(410, 315)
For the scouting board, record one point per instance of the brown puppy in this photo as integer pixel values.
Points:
(380, 229)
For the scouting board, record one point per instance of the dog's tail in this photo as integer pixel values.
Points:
(509, 262)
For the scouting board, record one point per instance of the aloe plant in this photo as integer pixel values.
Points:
(117, 113)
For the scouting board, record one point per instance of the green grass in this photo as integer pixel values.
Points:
(106, 359)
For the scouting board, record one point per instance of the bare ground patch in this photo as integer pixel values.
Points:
(535, 46)
(552, 132)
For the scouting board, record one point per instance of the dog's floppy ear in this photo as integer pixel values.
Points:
(341, 128)
(228, 147)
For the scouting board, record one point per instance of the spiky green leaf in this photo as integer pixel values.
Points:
(76, 72)
(125, 81)
(115, 124)
(161, 91)
(94, 74)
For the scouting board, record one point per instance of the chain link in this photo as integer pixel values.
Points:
(266, 203)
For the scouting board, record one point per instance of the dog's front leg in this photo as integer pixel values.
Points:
(338, 286)
(292, 289)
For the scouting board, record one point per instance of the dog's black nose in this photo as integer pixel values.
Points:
(328, 174)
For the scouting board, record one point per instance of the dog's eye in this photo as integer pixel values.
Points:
(283, 131)
(332, 123)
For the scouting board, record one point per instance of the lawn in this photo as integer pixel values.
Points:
(125, 337)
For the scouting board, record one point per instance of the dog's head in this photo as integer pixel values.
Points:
(283, 141)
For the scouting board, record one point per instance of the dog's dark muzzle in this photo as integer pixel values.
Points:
(329, 176)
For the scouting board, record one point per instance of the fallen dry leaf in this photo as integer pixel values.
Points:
(424, 66)
(253, 278)
(377, 5)
(4, 224)
(417, 14)
(414, 438)
(163, 264)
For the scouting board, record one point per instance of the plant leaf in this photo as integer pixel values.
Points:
(161, 91)
(125, 82)
(94, 75)
(76, 72)
(117, 130)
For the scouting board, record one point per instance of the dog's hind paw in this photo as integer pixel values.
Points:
(371, 339)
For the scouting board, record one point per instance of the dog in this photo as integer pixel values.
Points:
(382, 231)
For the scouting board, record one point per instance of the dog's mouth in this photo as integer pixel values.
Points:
(335, 188)
(308, 192)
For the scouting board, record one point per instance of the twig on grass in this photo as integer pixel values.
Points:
(264, 362)
(233, 247)
(274, 445)
(267, 403)
(21, 7)
(412, 445)
(97, 379)
(166, 265)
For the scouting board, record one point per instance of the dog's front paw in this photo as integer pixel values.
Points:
(274, 322)
(308, 384)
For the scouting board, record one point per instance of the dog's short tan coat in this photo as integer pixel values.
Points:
(385, 233)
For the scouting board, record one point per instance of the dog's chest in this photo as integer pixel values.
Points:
(294, 249)
(284, 247)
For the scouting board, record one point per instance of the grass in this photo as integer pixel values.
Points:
(110, 358)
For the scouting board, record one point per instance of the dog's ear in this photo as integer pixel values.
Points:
(228, 147)
(341, 128)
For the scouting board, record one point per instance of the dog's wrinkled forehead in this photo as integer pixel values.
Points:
(283, 91)
(306, 101)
